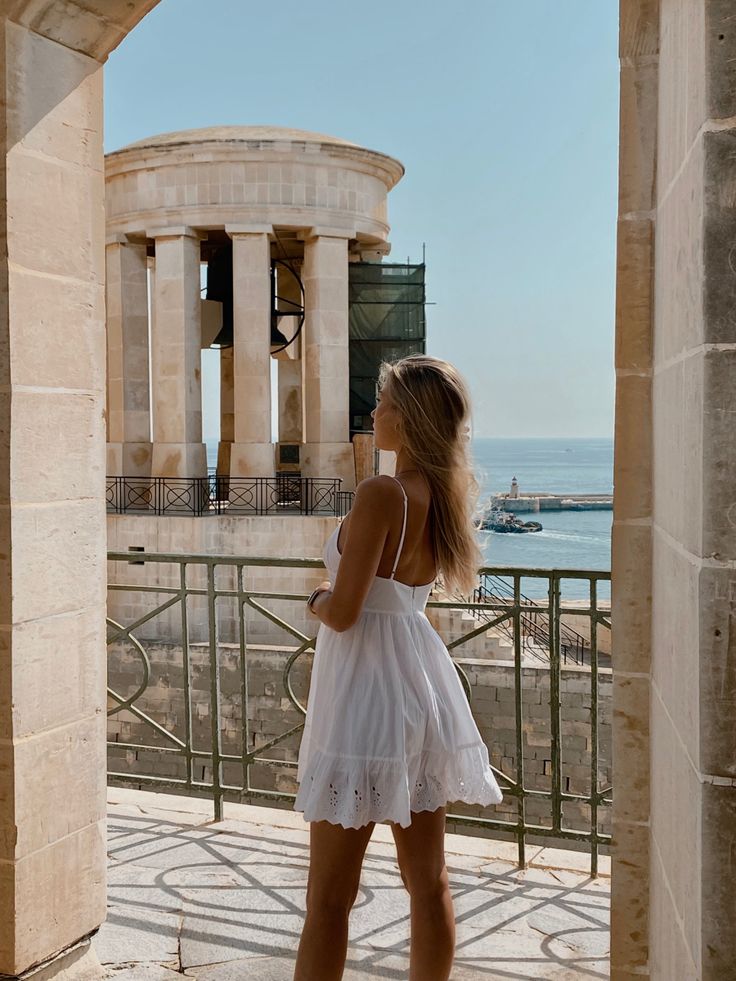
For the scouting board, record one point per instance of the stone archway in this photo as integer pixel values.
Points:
(674, 553)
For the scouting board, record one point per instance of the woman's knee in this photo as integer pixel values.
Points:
(429, 886)
(331, 899)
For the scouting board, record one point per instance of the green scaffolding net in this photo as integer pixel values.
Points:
(387, 322)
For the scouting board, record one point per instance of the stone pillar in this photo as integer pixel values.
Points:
(227, 416)
(364, 449)
(178, 450)
(128, 410)
(52, 524)
(674, 541)
(290, 366)
(327, 450)
(252, 453)
(631, 561)
(290, 400)
(693, 668)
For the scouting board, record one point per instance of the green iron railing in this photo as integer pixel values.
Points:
(222, 579)
(573, 647)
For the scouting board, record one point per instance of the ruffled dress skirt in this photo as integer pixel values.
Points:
(388, 728)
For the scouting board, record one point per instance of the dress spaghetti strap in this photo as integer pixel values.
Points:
(403, 527)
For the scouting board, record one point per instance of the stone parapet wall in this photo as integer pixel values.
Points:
(271, 712)
(294, 536)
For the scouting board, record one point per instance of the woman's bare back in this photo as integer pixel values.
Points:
(417, 565)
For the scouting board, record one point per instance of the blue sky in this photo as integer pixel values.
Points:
(505, 116)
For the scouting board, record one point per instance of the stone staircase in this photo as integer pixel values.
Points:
(452, 623)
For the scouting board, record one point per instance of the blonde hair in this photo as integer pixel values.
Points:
(433, 405)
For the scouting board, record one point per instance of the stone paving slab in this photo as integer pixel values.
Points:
(156, 936)
(224, 901)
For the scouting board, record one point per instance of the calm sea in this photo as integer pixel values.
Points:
(569, 539)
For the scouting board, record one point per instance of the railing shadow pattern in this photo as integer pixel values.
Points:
(197, 586)
(233, 895)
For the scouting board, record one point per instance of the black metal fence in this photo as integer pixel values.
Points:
(202, 496)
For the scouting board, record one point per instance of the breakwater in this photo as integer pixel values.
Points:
(553, 502)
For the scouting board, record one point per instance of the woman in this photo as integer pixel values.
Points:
(389, 735)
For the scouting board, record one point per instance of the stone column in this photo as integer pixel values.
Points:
(631, 560)
(365, 456)
(674, 537)
(692, 705)
(290, 365)
(52, 524)
(227, 416)
(128, 410)
(252, 453)
(178, 450)
(327, 450)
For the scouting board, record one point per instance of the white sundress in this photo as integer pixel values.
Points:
(388, 728)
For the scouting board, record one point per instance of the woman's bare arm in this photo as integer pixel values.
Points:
(376, 500)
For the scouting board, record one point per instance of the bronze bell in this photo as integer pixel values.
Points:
(220, 288)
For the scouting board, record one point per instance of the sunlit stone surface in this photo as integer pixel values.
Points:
(225, 901)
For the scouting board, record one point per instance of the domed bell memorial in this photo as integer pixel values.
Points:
(238, 238)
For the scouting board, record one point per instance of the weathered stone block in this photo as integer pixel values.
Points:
(670, 955)
(719, 221)
(682, 86)
(67, 563)
(631, 748)
(675, 650)
(719, 456)
(638, 28)
(67, 466)
(637, 153)
(633, 447)
(720, 54)
(76, 680)
(678, 449)
(71, 340)
(31, 885)
(717, 671)
(631, 561)
(718, 895)
(629, 897)
(635, 266)
(678, 251)
(676, 818)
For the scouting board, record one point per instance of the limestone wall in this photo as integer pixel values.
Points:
(225, 174)
(270, 712)
(293, 536)
(674, 533)
(693, 679)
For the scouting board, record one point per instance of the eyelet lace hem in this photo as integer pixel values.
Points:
(353, 791)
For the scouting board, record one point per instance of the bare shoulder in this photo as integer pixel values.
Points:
(377, 492)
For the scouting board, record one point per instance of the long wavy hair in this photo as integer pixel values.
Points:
(433, 404)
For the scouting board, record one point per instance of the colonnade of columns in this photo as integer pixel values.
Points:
(313, 373)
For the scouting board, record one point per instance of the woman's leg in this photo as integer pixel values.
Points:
(335, 860)
(420, 850)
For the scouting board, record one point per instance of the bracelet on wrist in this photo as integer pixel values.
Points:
(315, 593)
